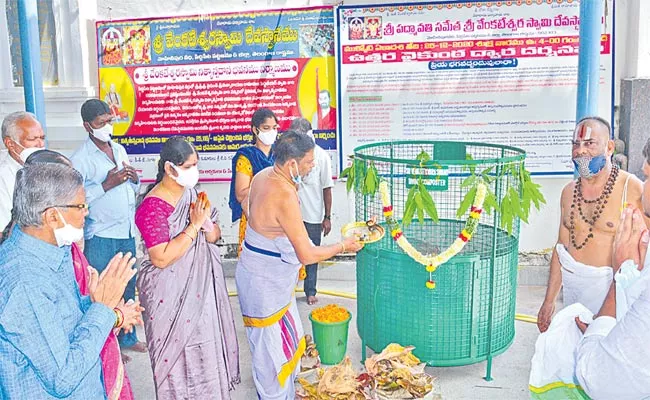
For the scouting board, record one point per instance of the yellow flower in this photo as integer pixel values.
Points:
(330, 313)
(431, 262)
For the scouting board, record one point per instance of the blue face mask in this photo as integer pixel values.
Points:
(297, 179)
(587, 167)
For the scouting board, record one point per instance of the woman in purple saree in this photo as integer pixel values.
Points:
(188, 320)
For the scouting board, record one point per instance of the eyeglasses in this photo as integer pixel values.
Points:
(82, 206)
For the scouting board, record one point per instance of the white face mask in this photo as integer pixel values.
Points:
(68, 234)
(27, 151)
(104, 133)
(267, 137)
(186, 177)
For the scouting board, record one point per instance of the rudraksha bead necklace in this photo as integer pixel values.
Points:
(600, 204)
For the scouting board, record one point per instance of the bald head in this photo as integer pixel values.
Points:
(590, 128)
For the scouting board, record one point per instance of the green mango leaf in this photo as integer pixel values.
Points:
(360, 179)
(515, 203)
(471, 168)
(428, 203)
(423, 157)
(487, 171)
(350, 174)
(419, 207)
(346, 172)
(410, 207)
(349, 184)
(370, 182)
(467, 201)
(490, 203)
(506, 214)
(469, 181)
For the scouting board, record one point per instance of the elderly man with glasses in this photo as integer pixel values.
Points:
(111, 186)
(51, 336)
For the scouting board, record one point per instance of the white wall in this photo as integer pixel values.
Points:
(62, 104)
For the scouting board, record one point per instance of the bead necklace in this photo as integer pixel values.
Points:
(600, 203)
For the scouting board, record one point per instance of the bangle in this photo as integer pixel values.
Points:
(119, 318)
(343, 247)
(188, 235)
(194, 227)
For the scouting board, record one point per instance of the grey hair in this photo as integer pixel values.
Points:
(10, 128)
(292, 145)
(43, 186)
(300, 125)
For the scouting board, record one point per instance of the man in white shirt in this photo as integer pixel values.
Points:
(111, 185)
(315, 202)
(612, 357)
(604, 356)
(22, 135)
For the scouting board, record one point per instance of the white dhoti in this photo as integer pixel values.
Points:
(552, 374)
(266, 276)
(582, 283)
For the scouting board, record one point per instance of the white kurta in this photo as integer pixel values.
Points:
(8, 169)
(612, 359)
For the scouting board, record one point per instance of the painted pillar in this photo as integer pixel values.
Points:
(30, 46)
(591, 14)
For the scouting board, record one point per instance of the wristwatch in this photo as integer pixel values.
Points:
(329, 217)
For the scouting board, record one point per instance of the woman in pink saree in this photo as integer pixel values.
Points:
(116, 382)
(188, 320)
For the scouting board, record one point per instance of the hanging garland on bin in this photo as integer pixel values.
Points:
(431, 262)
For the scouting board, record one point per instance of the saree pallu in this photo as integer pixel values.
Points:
(248, 160)
(116, 382)
(188, 321)
(266, 276)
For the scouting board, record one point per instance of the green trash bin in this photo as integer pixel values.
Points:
(469, 316)
(331, 339)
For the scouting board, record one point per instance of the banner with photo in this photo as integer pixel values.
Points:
(486, 71)
(203, 76)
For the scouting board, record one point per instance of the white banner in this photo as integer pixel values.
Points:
(498, 71)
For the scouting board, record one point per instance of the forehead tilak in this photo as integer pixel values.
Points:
(582, 132)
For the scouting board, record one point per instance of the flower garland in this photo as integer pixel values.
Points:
(430, 261)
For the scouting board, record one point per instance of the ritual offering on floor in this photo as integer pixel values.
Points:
(393, 374)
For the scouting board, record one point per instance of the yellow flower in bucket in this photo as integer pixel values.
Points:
(330, 313)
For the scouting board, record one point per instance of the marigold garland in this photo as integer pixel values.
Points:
(331, 313)
(430, 261)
